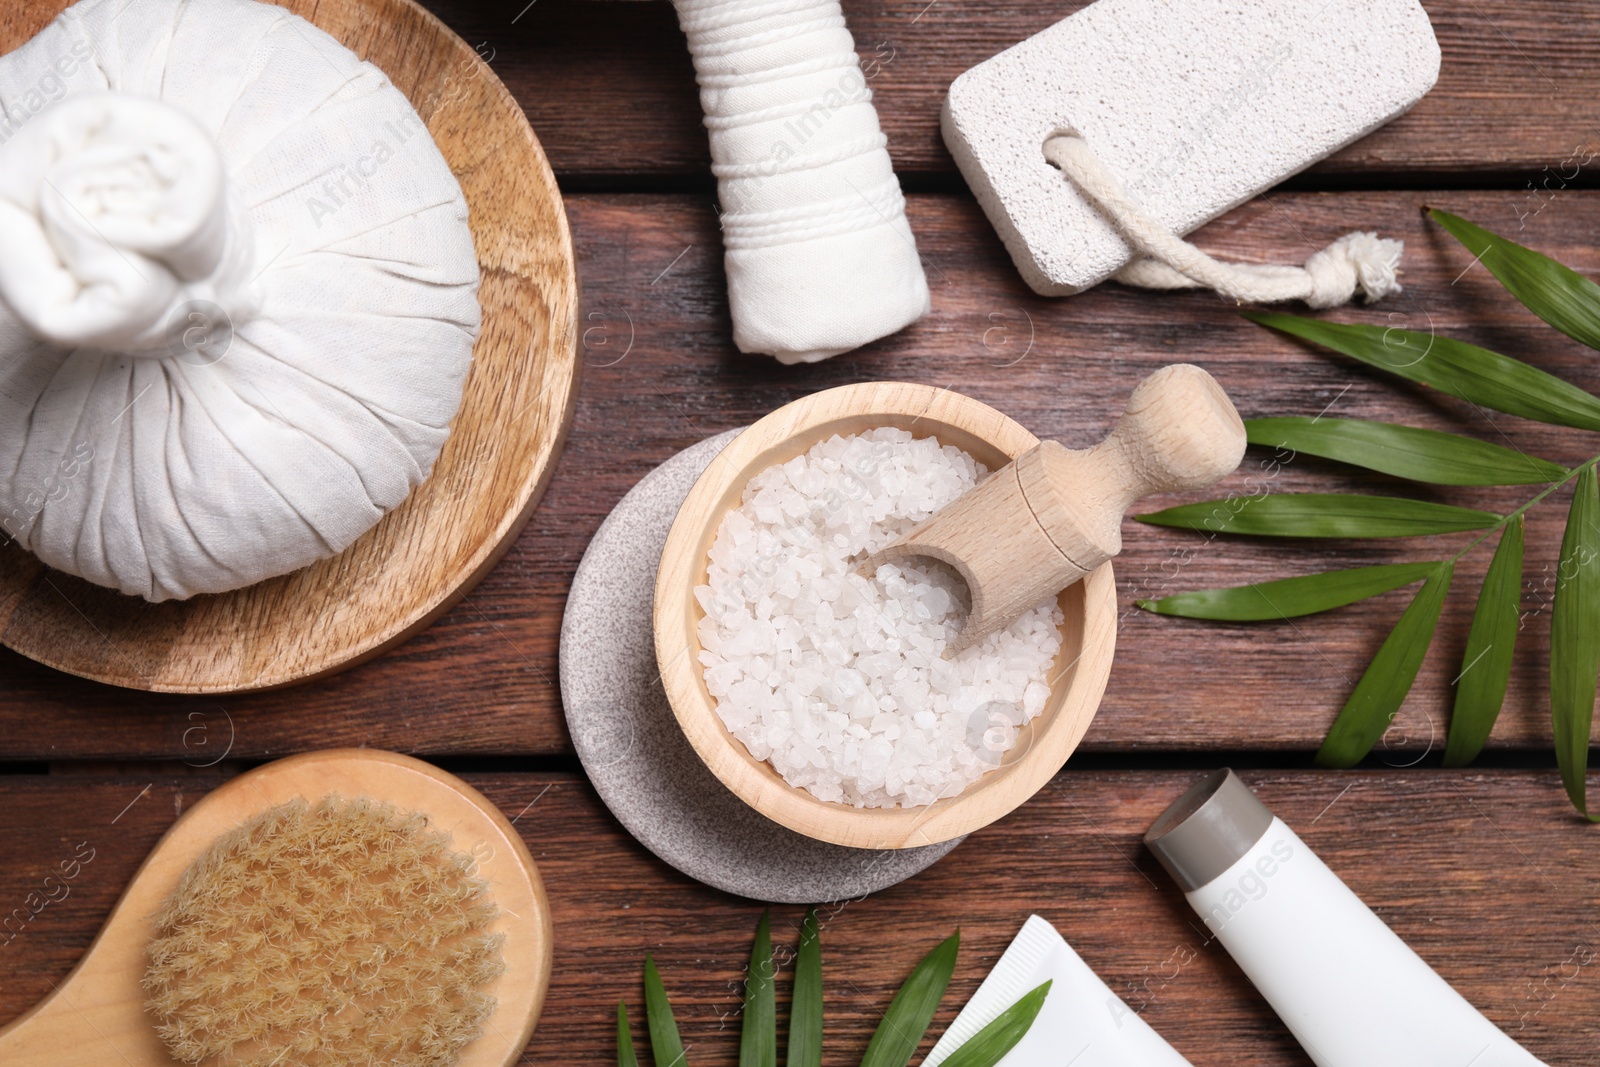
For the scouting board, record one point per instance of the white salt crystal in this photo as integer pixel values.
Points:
(839, 680)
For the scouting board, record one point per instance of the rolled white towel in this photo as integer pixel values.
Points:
(820, 258)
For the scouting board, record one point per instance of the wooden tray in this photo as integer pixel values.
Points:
(428, 553)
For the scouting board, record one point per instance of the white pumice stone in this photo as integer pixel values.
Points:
(1195, 105)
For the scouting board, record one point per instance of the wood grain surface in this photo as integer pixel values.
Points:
(1502, 110)
(424, 555)
(1482, 874)
(1486, 873)
(660, 375)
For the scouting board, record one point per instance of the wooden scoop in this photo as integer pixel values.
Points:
(96, 1017)
(1034, 527)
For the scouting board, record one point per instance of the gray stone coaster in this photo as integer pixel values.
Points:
(636, 755)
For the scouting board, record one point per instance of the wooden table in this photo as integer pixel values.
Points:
(1485, 872)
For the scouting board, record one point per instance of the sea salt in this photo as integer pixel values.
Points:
(837, 679)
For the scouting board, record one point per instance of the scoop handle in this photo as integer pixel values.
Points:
(1035, 527)
(1179, 432)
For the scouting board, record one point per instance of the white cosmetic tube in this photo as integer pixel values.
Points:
(1082, 1023)
(1347, 987)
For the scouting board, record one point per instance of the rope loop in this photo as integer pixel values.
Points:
(1359, 262)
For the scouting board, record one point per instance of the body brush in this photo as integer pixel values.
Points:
(336, 908)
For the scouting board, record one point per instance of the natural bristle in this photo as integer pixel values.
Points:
(341, 934)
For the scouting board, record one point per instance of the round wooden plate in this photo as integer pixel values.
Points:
(427, 554)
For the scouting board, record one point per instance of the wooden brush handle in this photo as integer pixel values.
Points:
(1178, 432)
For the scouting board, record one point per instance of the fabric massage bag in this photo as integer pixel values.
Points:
(238, 295)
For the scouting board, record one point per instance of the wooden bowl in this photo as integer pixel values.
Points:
(427, 554)
(1088, 634)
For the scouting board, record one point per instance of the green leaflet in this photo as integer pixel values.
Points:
(1475, 374)
(1405, 451)
(1381, 690)
(1560, 296)
(1290, 598)
(1575, 639)
(805, 1007)
(758, 1037)
(988, 1046)
(892, 1045)
(666, 1047)
(907, 1019)
(1322, 515)
(1486, 663)
(626, 1057)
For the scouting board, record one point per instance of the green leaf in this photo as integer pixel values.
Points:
(1405, 451)
(758, 1038)
(989, 1045)
(1486, 663)
(907, 1019)
(1474, 374)
(1560, 296)
(1289, 598)
(1322, 515)
(805, 1007)
(626, 1057)
(1575, 639)
(666, 1047)
(1388, 678)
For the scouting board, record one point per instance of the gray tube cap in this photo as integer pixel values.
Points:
(1208, 829)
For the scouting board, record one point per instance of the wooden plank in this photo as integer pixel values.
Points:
(662, 375)
(610, 89)
(1441, 856)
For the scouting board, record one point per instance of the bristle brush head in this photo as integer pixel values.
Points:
(338, 934)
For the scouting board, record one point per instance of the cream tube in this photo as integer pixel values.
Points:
(1082, 1023)
(1348, 988)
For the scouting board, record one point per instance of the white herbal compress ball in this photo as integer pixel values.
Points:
(238, 295)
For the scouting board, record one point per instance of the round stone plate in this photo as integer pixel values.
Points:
(636, 755)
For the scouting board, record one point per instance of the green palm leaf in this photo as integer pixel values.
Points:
(1474, 374)
(1558, 295)
(1323, 515)
(758, 1037)
(907, 1019)
(666, 1047)
(805, 1007)
(1575, 639)
(1486, 663)
(1382, 689)
(1405, 451)
(1290, 598)
(988, 1046)
(626, 1057)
